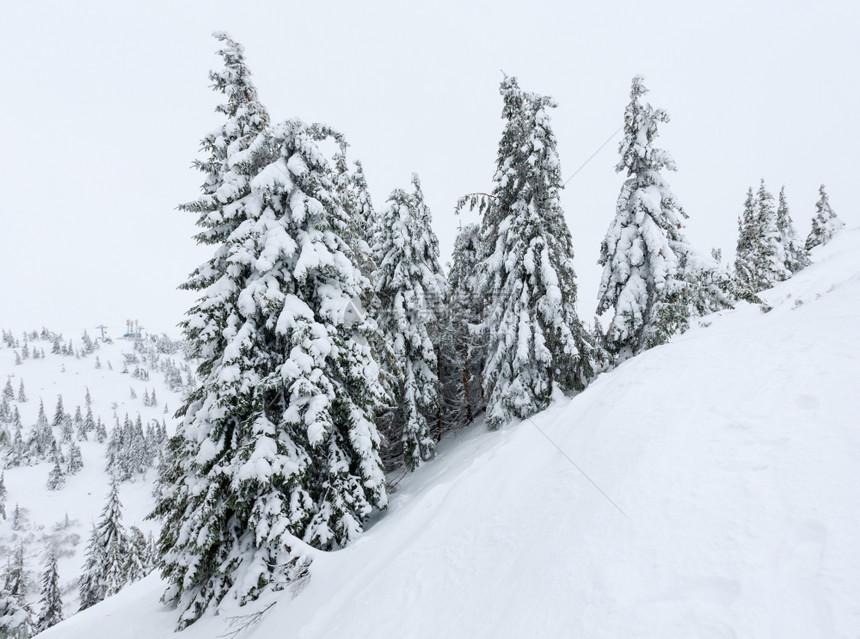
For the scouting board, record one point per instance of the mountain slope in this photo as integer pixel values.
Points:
(732, 452)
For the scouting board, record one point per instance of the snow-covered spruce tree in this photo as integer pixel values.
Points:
(105, 566)
(535, 340)
(60, 414)
(57, 477)
(747, 246)
(51, 610)
(137, 560)
(410, 288)
(645, 282)
(770, 255)
(91, 589)
(825, 224)
(796, 255)
(466, 315)
(276, 440)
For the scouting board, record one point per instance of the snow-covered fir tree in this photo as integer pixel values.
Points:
(466, 315)
(57, 477)
(106, 562)
(825, 224)
(745, 251)
(51, 603)
(761, 256)
(645, 283)
(22, 395)
(127, 451)
(100, 431)
(411, 289)
(796, 255)
(534, 338)
(138, 560)
(8, 391)
(90, 587)
(770, 256)
(59, 413)
(17, 519)
(41, 437)
(74, 460)
(277, 438)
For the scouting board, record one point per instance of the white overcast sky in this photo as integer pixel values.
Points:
(104, 103)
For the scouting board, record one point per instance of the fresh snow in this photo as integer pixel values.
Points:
(730, 456)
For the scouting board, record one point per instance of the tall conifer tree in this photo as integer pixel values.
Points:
(276, 439)
(51, 612)
(533, 335)
(411, 291)
(747, 246)
(645, 283)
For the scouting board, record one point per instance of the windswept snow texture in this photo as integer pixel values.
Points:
(734, 452)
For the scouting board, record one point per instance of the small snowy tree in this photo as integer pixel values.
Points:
(825, 224)
(796, 255)
(644, 255)
(22, 395)
(75, 461)
(747, 246)
(91, 588)
(770, 255)
(17, 519)
(56, 478)
(51, 611)
(105, 569)
(59, 413)
(8, 391)
(410, 288)
(762, 256)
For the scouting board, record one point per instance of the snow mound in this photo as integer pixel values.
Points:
(729, 484)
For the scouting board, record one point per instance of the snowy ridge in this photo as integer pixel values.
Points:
(731, 450)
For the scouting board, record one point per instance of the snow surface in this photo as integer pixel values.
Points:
(732, 452)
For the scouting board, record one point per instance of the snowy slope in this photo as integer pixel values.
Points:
(732, 452)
